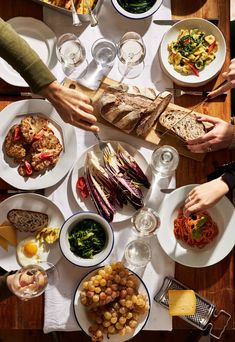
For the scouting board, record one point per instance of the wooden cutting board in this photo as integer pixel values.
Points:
(154, 136)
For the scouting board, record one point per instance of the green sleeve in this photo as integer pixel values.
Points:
(22, 58)
(4, 290)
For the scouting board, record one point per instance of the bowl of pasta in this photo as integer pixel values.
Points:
(192, 52)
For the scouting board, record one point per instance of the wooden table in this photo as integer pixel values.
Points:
(216, 282)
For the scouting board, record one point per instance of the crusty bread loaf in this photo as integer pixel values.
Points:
(27, 220)
(188, 128)
(128, 107)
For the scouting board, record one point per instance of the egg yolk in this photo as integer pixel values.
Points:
(30, 249)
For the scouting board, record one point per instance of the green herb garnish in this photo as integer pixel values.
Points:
(197, 230)
(87, 238)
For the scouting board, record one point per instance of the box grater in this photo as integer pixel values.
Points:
(204, 309)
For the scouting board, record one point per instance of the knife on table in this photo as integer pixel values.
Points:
(192, 110)
(20, 93)
(214, 21)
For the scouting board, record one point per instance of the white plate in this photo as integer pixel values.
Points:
(81, 316)
(222, 213)
(40, 38)
(211, 70)
(11, 115)
(32, 202)
(86, 204)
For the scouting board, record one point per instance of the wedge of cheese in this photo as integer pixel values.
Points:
(9, 234)
(3, 243)
(182, 302)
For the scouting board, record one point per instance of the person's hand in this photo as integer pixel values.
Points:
(219, 137)
(230, 77)
(74, 107)
(205, 196)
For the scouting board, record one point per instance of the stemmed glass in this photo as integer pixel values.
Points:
(72, 55)
(145, 222)
(131, 54)
(165, 160)
(31, 281)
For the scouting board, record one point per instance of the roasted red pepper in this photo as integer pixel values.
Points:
(211, 47)
(43, 156)
(39, 135)
(28, 168)
(194, 70)
(17, 133)
(82, 187)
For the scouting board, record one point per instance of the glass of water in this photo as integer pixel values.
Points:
(145, 222)
(137, 253)
(71, 54)
(104, 52)
(131, 54)
(165, 160)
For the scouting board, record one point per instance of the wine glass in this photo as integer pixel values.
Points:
(131, 54)
(72, 55)
(145, 222)
(31, 281)
(165, 160)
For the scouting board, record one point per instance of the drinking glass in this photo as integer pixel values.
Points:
(71, 54)
(131, 54)
(104, 52)
(145, 222)
(31, 281)
(165, 160)
(137, 253)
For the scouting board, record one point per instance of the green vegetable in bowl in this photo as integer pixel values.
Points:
(136, 6)
(87, 238)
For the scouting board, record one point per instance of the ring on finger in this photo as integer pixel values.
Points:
(209, 149)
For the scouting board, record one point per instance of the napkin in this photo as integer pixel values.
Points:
(58, 313)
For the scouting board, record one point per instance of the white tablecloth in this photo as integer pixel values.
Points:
(59, 299)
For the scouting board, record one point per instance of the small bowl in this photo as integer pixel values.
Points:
(143, 15)
(211, 70)
(65, 245)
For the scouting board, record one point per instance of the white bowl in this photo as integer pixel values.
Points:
(211, 70)
(143, 15)
(65, 246)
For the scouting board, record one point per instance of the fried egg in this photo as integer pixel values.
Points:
(31, 251)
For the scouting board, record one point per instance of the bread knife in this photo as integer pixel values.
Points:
(214, 21)
(192, 110)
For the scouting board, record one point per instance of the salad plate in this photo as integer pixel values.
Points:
(40, 38)
(33, 202)
(12, 114)
(223, 215)
(86, 204)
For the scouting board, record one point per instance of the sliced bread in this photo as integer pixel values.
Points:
(27, 220)
(188, 128)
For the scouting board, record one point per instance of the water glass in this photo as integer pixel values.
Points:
(137, 253)
(165, 160)
(145, 222)
(71, 54)
(104, 52)
(131, 54)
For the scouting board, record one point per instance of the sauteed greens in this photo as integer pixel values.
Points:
(136, 6)
(87, 238)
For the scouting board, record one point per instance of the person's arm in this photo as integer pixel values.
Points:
(206, 195)
(5, 285)
(16, 51)
(74, 107)
(230, 77)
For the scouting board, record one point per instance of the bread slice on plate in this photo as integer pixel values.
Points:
(188, 128)
(27, 220)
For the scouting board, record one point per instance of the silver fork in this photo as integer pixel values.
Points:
(92, 16)
(180, 92)
(76, 19)
(102, 144)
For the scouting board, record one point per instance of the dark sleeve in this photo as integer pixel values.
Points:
(4, 290)
(229, 178)
(23, 59)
